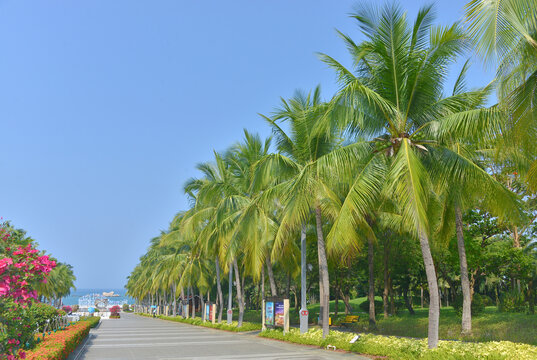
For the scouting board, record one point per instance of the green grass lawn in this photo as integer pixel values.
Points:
(489, 326)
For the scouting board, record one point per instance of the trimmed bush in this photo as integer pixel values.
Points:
(92, 320)
(58, 345)
(114, 312)
(246, 326)
(379, 307)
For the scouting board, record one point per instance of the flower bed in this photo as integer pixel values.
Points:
(246, 326)
(404, 348)
(58, 345)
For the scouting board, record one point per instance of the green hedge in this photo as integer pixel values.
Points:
(93, 320)
(246, 326)
(407, 349)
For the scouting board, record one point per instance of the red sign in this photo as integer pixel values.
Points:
(230, 311)
(304, 313)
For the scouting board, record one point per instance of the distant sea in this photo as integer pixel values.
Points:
(75, 295)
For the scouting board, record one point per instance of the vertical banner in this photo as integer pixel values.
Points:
(278, 313)
(269, 313)
(207, 315)
(275, 313)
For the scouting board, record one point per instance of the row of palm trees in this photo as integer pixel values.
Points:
(393, 150)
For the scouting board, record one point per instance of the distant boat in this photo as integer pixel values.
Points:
(110, 294)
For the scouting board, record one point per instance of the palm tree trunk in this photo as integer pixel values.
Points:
(183, 302)
(263, 282)
(230, 295)
(174, 300)
(193, 303)
(303, 288)
(219, 290)
(465, 282)
(201, 304)
(324, 288)
(273, 289)
(434, 304)
(240, 298)
(385, 293)
(371, 294)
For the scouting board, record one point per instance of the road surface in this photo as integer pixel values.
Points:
(136, 337)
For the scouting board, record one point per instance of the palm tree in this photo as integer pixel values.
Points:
(394, 103)
(233, 224)
(505, 32)
(59, 283)
(300, 187)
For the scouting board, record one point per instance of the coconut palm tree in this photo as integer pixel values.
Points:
(232, 224)
(300, 186)
(393, 102)
(505, 33)
(59, 283)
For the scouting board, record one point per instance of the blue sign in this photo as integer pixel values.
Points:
(91, 310)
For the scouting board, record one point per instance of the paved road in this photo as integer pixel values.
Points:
(136, 337)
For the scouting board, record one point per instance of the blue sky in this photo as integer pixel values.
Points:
(107, 106)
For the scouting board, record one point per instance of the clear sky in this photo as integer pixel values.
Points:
(107, 106)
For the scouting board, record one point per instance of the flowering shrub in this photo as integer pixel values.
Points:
(114, 312)
(21, 268)
(67, 309)
(407, 348)
(58, 345)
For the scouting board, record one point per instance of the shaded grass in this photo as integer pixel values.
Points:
(491, 325)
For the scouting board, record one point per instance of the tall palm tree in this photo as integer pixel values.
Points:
(301, 187)
(394, 101)
(505, 32)
(234, 225)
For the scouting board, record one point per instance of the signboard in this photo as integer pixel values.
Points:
(304, 313)
(269, 313)
(275, 312)
(209, 311)
(278, 313)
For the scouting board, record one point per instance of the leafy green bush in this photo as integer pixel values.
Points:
(126, 308)
(487, 301)
(478, 304)
(407, 348)
(93, 320)
(379, 306)
(42, 313)
(512, 301)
